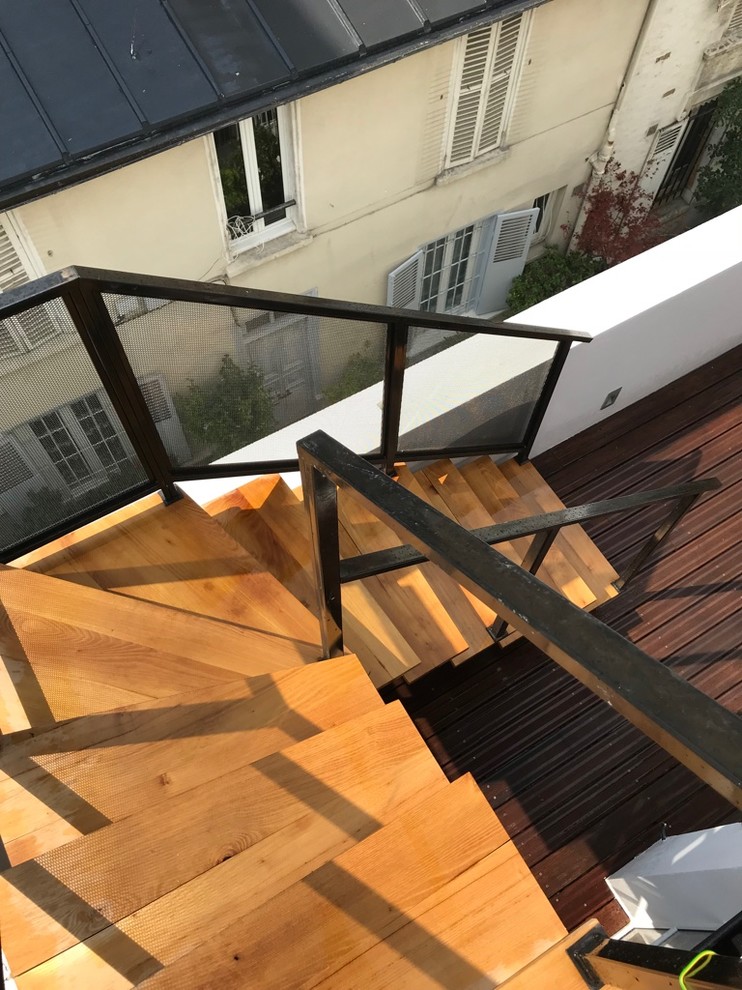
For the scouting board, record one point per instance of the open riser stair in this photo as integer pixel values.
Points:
(187, 799)
(410, 621)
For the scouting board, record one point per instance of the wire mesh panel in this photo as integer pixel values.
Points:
(465, 389)
(245, 384)
(63, 450)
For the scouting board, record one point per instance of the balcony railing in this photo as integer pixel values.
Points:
(147, 382)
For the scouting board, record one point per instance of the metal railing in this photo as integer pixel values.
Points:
(713, 964)
(691, 726)
(544, 529)
(127, 331)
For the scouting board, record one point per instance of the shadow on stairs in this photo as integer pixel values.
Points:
(184, 794)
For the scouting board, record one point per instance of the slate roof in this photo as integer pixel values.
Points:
(89, 85)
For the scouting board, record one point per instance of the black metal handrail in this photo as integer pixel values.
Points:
(544, 529)
(691, 726)
(628, 965)
(81, 292)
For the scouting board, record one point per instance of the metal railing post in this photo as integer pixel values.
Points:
(542, 403)
(654, 541)
(100, 339)
(534, 558)
(320, 496)
(394, 369)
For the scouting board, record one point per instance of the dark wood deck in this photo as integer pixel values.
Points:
(578, 788)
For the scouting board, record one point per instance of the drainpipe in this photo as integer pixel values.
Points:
(603, 155)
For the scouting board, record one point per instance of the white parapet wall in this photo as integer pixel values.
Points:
(474, 386)
(653, 319)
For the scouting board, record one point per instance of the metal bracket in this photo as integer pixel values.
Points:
(579, 951)
(170, 493)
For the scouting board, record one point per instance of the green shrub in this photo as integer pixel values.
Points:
(228, 412)
(363, 369)
(551, 273)
(720, 182)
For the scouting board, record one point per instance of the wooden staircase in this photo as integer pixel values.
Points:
(410, 621)
(187, 800)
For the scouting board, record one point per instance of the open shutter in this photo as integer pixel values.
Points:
(506, 257)
(734, 27)
(661, 155)
(404, 283)
(486, 86)
(471, 88)
(12, 272)
(502, 82)
(166, 420)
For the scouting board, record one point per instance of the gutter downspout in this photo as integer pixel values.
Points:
(603, 155)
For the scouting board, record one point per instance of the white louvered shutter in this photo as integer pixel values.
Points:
(661, 155)
(734, 27)
(502, 83)
(506, 258)
(12, 271)
(162, 411)
(14, 470)
(404, 283)
(486, 88)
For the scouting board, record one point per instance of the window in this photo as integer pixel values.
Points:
(468, 270)
(253, 159)
(547, 206)
(82, 442)
(56, 439)
(448, 269)
(486, 85)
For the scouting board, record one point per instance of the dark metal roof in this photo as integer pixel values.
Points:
(89, 85)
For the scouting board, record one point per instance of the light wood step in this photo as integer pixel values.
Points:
(283, 545)
(58, 785)
(553, 969)
(412, 885)
(585, 557)
(406, 595)
(176, 555)
(69, 650)
(148, 888)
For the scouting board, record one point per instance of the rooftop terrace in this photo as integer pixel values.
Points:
(579, 789)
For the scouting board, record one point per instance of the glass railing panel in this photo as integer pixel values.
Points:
(464, 389)
(63, 450)
(227, 382)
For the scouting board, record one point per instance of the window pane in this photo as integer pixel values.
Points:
(268, 151)
(232, 172)
(459, 265)
(432, 275)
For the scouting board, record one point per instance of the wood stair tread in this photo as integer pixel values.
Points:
(553, 968)
(70, 650)
(407, 596)
(176, 555)
(56, 785)
(369, 632)
(221, 848)
(425, 870)
(577, 545)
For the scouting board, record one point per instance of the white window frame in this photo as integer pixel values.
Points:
(466, 264)
(48, 472)
(510, 98)
(261, 231)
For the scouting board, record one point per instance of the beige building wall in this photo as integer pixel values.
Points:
(681, 62)
(371, 153)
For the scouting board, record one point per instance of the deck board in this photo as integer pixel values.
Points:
(579, 789)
